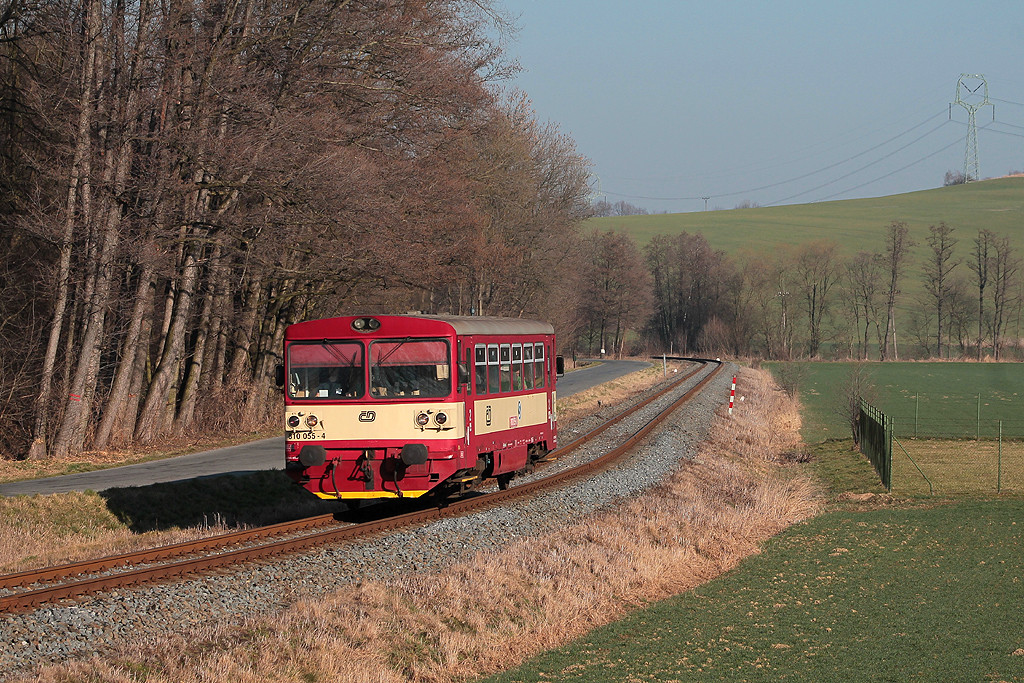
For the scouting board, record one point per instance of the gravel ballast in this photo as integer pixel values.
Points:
(101, 623)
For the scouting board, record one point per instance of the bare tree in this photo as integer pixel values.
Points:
(690, 286)
(961, 315)
(1005, 268)
(604, 209)
(981, 263)
(897, 251)
(864, 281)
(815, 273)
(617, 289)
(954, 178)
(937, 271)
(846, 403)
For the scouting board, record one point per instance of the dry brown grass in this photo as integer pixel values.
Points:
(44, 531)
(490, 613)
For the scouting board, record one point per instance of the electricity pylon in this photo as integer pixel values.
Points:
(971, 170)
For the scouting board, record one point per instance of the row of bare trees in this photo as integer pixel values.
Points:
(682, 296)
(181, 180)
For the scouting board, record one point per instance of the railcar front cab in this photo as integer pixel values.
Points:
(374, 414)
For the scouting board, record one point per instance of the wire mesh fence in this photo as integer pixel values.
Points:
(944, 456)
(955, 416)
(968, 465)
(874, 431)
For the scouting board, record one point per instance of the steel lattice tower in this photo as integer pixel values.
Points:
(963, 90)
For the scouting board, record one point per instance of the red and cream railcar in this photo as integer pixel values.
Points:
(401, 406)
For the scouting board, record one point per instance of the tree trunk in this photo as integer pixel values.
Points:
(262, 389)
(38, 448)
(160, 398)
(240, 363)
(194, 365)
(119, 392)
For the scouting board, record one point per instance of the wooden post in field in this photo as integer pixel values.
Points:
(732, 394)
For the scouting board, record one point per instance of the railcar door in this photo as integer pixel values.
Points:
(466, 388)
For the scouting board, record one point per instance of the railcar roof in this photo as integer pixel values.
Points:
(463, 325)
(467, 324)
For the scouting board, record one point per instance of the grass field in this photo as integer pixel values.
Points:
(921, 593)
(855, 224)
(878, 588)
(939, 398)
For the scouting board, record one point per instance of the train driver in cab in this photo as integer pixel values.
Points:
(340, 382)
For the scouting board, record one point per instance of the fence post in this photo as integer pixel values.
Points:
(917, 411)
(977, 433)
(999, 467)
(889, 425)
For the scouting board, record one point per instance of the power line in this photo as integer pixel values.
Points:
(800, 177)
(1008, 125)
(996, 99)
(883, 177)
(858, 170)
(986, 128)
(784, 162)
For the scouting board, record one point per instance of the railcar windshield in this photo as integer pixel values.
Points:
(410, 368)
(326, 370)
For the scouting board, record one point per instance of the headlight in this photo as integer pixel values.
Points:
(441, 418)
(311, 421)
(293, 421)
(365, 324)
(422, 419)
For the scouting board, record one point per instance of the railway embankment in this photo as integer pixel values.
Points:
(458, 597)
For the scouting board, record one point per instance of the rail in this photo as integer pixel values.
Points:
(34, 597)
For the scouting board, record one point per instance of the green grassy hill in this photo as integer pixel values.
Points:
(855, 224)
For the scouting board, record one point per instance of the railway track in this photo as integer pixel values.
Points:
(27, 590)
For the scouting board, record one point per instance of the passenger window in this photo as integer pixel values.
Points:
(480, 369)
(492, 369)
(506, 368)
(528, 366)
(538, 365)
(517, 367)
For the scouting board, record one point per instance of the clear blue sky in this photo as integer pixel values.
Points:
(681, 100)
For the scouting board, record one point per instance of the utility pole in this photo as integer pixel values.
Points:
(968, 98)
(706, 198)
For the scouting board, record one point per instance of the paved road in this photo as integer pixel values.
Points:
(265, 454)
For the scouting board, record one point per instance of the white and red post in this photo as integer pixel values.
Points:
(732, 394)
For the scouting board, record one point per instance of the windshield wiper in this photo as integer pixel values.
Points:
(390, 353)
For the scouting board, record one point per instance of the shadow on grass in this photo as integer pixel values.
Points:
(233, 500)
(238, 500)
